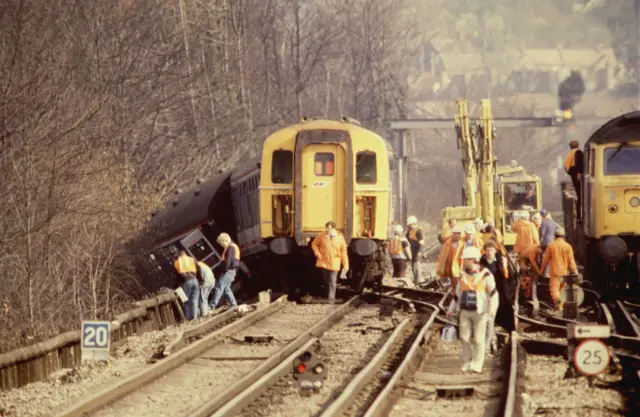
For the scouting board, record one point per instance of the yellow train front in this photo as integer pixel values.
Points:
(319, 171)
(609, 236)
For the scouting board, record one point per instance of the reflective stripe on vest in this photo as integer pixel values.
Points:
(468, 283)
(395, 246)
(186, 264)
(236, 248)
(570, 160)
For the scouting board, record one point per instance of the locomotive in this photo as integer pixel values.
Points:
(274, 205)
(607, 240)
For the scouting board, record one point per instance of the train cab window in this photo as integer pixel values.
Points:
(366, 172)
(323, 164)
(282, 167)
(521, 196)
(622, 160)
(592, 162)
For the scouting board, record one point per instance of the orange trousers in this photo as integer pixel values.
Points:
(555, 287)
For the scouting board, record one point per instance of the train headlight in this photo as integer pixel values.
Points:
(318, 369)
(634, 202)
(613, 208)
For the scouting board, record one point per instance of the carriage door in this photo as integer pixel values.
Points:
(323, 185)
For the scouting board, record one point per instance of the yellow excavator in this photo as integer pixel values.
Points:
(490, 191)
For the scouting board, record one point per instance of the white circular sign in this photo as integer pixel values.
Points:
(591, 357)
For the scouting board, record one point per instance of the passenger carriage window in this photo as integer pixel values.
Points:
(366, 172)
(282, 167)
(323, 164)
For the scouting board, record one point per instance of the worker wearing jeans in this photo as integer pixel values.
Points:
(187, 269)
(208, 282)
(230, 264)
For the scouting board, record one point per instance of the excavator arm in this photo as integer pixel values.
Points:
(467, 145)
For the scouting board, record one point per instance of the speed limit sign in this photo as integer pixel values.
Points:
(591, 357)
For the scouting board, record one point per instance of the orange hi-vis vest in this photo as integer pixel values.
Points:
(570, 160)
(413, 233)
(185, 264)
(235, 247)
(476, 283)
(395, 246)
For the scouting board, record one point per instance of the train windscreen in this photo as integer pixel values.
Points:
(622, 160)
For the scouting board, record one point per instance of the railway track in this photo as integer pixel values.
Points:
(216, 362)
(375, 351)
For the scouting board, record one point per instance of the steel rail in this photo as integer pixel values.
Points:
(235, 405)
(252, 382)
(350, 392)
(384, 401)
(513, 401)
(630, 321)
(135, 382)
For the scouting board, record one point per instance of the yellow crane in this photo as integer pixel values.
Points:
(490, 190)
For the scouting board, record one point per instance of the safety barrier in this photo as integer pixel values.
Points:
(36, 362)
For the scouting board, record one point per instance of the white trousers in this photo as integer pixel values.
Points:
(473, 324)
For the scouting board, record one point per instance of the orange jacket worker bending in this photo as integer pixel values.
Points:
(559, 257)
(330, 250)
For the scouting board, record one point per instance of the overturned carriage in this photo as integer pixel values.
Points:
(273, 206)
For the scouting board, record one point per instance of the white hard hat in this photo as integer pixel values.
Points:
(469, 228)
(457, 229)
(471, 253)
(412, 220)
(478, 221)
(398, 229)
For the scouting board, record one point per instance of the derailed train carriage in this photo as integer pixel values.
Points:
(607, 240)
(274, 205)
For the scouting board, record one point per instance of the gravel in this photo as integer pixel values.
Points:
(186, 388)
(544, 336)
(548, 393)
(66, 385)
(346, 348)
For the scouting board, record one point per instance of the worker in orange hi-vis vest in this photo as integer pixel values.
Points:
(400, 252)
(475, 298)
(187, 268)
(230, 263)
(415, 235)
(447, 231)
(526, 232)
(330, 250)
(450, 262)
(530, 261)
(559, 257)
(574, 165)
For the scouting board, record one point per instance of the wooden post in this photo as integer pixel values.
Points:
(178, 310)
